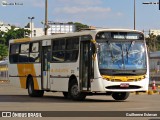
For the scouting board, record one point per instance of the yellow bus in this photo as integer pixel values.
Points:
(102, 61)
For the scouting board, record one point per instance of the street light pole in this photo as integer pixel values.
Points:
(46, 17)
(134, 14)
(31, 18)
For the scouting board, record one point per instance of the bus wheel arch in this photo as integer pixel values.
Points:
(28, 78)
(30, 87)
(73, 89)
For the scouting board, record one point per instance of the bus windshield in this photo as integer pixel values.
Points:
(122, 55)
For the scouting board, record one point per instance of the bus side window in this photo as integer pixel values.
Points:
(14, 53)
(34, 55)
(24, 53)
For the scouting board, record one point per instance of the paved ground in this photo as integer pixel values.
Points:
(17, 99)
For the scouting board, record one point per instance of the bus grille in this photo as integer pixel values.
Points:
(118, 87)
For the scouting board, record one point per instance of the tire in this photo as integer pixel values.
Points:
(65, 94)
(31, 91)
(75, 93)
(120, 95)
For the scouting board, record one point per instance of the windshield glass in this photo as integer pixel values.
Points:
(121, 55)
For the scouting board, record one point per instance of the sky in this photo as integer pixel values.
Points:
(99, 13)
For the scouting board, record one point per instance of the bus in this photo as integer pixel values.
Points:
(90, 62)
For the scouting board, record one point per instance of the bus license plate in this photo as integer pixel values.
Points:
(124, 85)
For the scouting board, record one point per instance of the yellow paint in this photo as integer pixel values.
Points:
(94, 55)
(22, 40)
(60, 70)
(3, 68)
(25, 70)
(123, 78)
(93, 41)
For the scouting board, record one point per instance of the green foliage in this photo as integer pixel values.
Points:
(153, 42)
(2, 39)
(79, 26)
(11, 34)
(3, 51)
(15, 34)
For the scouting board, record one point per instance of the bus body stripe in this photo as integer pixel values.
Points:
(22, 40)
(25, 70)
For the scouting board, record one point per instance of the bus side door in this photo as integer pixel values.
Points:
(86, 64)
(46, 54)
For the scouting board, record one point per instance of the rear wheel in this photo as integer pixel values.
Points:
(74, 91)
(120, 95)
(66, 95)
(31, 91)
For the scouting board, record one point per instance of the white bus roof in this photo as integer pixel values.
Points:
(85, 32)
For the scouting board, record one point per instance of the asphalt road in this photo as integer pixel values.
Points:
(17, 99)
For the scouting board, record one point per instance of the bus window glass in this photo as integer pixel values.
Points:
(14, 53)
(34, 47)
(69, 44)
(24, 48)
(58, 56)
(71, 55)
(59, 44)
(34, 57)
(23, 57)
(24, 53)
(14, 49)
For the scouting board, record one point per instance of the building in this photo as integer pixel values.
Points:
(59, 28)
(4, 27)
(155, 31)
(35, 31)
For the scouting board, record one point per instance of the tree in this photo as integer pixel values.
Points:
(2, 39)
(158, 42)
(3, 51)
(3, 47)
(15, 34)
(79, 26)
(11, 34)
(151, 42)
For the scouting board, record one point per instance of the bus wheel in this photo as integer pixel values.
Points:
(120, 95)
(31, 91)
(66, 95)
(75, 93)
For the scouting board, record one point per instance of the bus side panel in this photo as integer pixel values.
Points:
(13, 75)
(25, 70)
(37, 76)
(60, 75)
(19, 72)
(97, 84)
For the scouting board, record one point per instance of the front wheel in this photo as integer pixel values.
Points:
(66, 95)
(31, 91)
(120, 95)
(75, 93)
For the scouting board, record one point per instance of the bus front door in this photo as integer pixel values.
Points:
(46, 53)
(85, 66)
